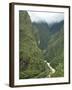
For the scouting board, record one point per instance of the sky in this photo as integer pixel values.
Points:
(49, 17)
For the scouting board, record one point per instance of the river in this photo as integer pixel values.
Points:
(51, 68)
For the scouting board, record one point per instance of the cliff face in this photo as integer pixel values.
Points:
(31, 57)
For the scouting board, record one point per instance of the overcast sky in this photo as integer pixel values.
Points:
(49, 17)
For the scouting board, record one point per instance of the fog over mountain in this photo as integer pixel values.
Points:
(49, 17)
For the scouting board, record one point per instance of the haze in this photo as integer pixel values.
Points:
(49, 17)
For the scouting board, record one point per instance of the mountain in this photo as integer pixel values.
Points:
(55, 27)
(41, 31)
(55, 52)
(51, 42)
(40, 44)
(31, 60)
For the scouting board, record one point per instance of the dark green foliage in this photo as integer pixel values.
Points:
(59, 70)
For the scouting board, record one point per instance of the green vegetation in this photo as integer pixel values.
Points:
(55, 52)
(41, 31)
(31, 57)
(38, 43)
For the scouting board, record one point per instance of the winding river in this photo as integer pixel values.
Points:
(51, 68)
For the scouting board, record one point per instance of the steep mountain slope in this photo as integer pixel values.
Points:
(41, 30)
(31, 58)
(55, 52)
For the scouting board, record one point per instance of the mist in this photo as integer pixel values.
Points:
(49, 17)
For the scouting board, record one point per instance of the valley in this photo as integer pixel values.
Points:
(41, 48)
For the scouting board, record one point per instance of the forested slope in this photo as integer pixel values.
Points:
(31, 58)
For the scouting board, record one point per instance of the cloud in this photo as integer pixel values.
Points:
(49, 17)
